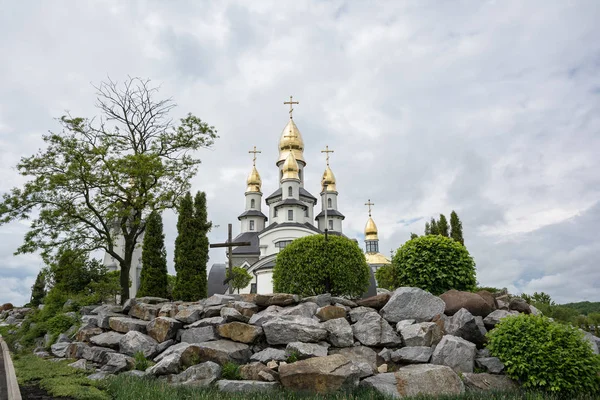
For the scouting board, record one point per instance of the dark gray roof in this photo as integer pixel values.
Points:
(290, 202)
(274, 194)
(284, 224)
(332, 213)
(252, 213)
(251, 237)
(303, 193)
(216, 276)
(268, 265)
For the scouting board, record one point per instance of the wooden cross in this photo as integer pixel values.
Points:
(254, 151)
(327, 151)
(368, 203)
(229, 244)
(290, 103)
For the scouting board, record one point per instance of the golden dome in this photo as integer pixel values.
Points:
(371, 230)
(376, 258)
(329, 178)
(254, 182)
(291, 137)
(290, 167)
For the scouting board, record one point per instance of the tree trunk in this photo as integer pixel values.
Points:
(125, 267)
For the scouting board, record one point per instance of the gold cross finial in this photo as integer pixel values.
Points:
(368, 203)
(254, 158)
(327, 151)
(291, 102)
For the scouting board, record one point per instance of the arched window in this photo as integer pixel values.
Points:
(252, 203)
(290, 215)
(330, 224)
(329, 202)
(290, 191)
(251, 225)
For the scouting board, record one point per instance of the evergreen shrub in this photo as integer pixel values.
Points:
(434, 263)
(386, 278)
(312, 265)
(547, 355)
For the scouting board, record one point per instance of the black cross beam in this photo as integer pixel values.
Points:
(230, 244)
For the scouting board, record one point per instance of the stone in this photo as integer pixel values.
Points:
(403, 323)
(85, 333)
(198, 335)
(252, 371)
(340, 332)
(135, 341)
(276, 299)
(306, 350)
(98, 376)
(377, 302)
(382, 369)
(520, 305)
(344, 302)
(373, 330)
(218, 300)
(40, 352)
(213, 321)
(189, 315)
(489, 299)
(493, 365)
(464, 325)
(592, 340)
(386, 354)
(63, 338)
(365, 358)
(320, 374)
(412, 355)
(79, 364)
(415, 380)
(103, 319)
(124, 325)
(321, 300)
(474, 303)
(421, 334)
(59, 349)
(144, 311)
(481, 325)
(199, 375)
(231, 386)
(73, 350)
(169, 364)
(175, 349)
(89, 320)
(168, 310)
(481, 382)
(307, 310)
(274, 365)
(357, 313)
(494, 317)
(231, 315)
(117, 362)
(219, 351)
(456, 353)
(292, 328)
(162, 329)
(213, 311)
(164, 346)
(152, 300)
(245, 308)
(240, 332)
(330, 312)
(106, 308)
(269, 354)
(134, 372)
(412, 303)
(482, 353)
(266, 376)
(535, 311)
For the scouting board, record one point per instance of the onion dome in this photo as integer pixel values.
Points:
(371, 230)
(291, 138)
(290, 167)
(377, 258)
(254, 182)
(329, 179)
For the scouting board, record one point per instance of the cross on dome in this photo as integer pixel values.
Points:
(368, 203)
(291, 102)
(254, 151)
(327, 151)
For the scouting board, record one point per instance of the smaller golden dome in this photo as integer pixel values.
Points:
(371, 230)
(290, 167)
(291, 138)
(254, 182)
(329, 179)
(376, 258)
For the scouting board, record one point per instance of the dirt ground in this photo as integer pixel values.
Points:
(32, 392)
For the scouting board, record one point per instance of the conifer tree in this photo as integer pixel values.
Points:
(427, 229)
(38, 291)
(413, 236)
(434, 227)
(201, 217)
(187, 284)
(154, 259)
(442, 226)
(456, 232)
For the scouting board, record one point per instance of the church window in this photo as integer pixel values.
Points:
(329, 203)
(290, 215)
(282, 243)
(252, 203)
(275, 213)
(331, 224)
(306, 212)
(372, 246)
(251, 225)
(290, 192)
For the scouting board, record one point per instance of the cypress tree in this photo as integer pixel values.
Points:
(201, 217)
(442, 226)
(187, 255)
(154, 259)
(427, 229)
(456, 232)
(38, 290)
(434, 227)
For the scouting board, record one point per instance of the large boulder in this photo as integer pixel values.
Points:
(219, 300)
(489, 299)
(85, 333)
(59, 349)
(162, 329)
(219, 351)
(464, 325)
(276, 299)
(199, 375)
(198, 335)
(421, 334)
(376, 302)
(269, 354)
(412, 303)
(152, 300)
(96, 354)
(212, 321)
(124, 325)
(330, 312)
(169, 310)
(306, 350)
(292, 328)
(340, 332)
(240, 332)
(245, 308)
(189, 315)
(591, 340)
(75, 350)
(107, 339)
(493, 365)
(232, 386)
(144, 311)
(494, 317)
(169, 364)
(116, 362)
(255, 371)
(321, 300)
(473, 302)
(412, 355)
(414, 380)
(320, 374)
(175, 349)
(357, 313)
(372, 330)
(365, 358)
(307, 310)
(520, 305)
(456, 353)
(482, 382)
(134, 341)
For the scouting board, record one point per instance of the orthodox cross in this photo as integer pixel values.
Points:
(368, 203)
(254, 151)
(230, 244)
(291, 102)
(327, 151)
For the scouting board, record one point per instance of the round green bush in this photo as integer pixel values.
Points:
(434, 263)
(312, 265)
(546, 355)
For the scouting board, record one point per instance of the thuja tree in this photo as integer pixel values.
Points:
(154, 259)
(312, 265)
(98, 178)
(201, 217)
(38, 291)
(456, 232)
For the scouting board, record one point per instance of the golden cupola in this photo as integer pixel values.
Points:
(291, 140)
(371, 230)
(254, 182)
(290, 167)
(329, 179)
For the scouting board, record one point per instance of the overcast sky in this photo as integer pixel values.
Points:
(490, 108)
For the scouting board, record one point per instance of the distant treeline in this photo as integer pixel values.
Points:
(585, 307)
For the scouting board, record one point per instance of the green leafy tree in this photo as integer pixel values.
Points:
(239, 278)
(312, 265)
(456, 232)
(154, 259)
(386, 278)
(442, 226)
(97, 179)
(542, 354)
(38, 290)
(71, 271)
(413, 236)
(434, 230)
(427, 228)
(434, 263)
(201, 216)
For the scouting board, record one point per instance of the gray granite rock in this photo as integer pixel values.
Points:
(107, 339)
(230, 314)
(124, 325)
(320, 300)
(493, 365)
(231, 386)
(320, 374)
(412, 355)
(421, 334)
(372, 330)
(169, 364)
(269, 354)
(134, 341)
(292, 328)
(340, 332)
(198, 335)
(365, 358)
(464, 325)
(485, 382)
(219, 351)
(494, 317)
(306, 350)
(199, 375)
(357, 313)
(456, 353)
(117, 362)
(412, 303)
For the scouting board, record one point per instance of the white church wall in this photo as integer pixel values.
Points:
(265, 282)
(275, 235)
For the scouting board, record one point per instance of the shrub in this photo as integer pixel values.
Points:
(543, 354)
(312, 265)
(230, 371)
(239, 278)
(385, 276)
(434, 263)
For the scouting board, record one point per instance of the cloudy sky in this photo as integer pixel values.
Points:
(490, 108)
